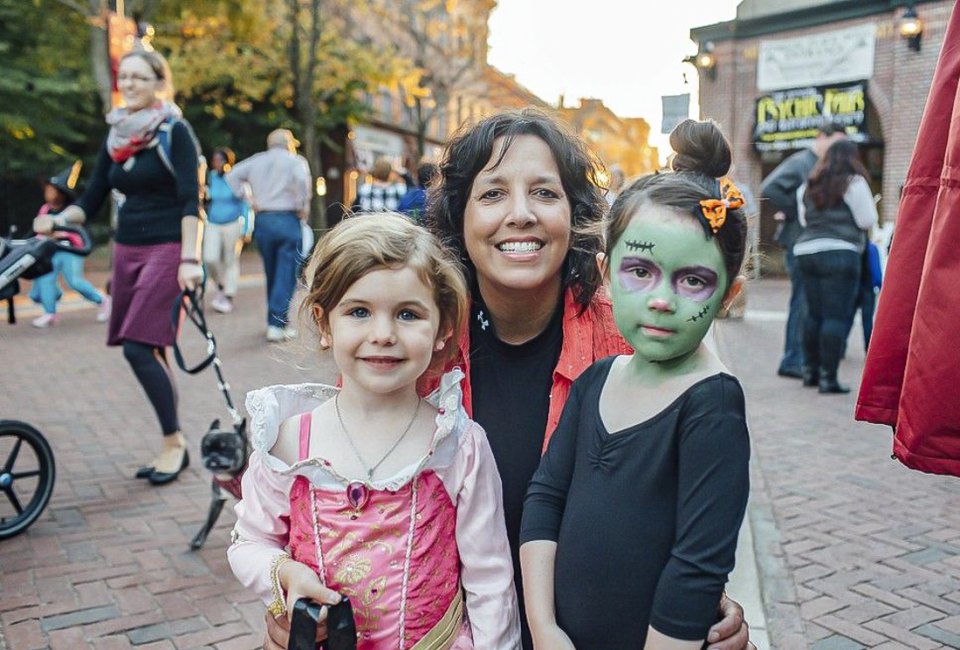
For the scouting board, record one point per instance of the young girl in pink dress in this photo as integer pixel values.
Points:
(371, 491)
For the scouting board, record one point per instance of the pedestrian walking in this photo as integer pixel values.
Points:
(836, 211)
(380, 495)
(652, 445)
(279, 186)
(780, 189)
(58, 192)
(156, 251)
(228, 225)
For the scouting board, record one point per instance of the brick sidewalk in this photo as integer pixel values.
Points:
(107, 565)
(853, 550)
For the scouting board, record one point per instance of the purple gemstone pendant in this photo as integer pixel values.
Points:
(357, 497)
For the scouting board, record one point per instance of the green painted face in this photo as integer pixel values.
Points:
(668, 280)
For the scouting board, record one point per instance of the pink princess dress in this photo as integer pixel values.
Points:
(423, 555)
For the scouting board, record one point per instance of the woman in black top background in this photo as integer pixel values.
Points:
(156, 252)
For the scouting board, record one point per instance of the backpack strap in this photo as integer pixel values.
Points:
(164, 144)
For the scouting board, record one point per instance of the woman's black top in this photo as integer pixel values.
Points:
(645, 519)
(510, 392)
(155, 202)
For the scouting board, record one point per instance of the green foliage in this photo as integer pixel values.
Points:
(232, 68)
(48, 104)
(231, 63)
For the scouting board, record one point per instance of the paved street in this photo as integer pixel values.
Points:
(852, 549)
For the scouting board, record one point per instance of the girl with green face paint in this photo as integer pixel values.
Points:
(668, 281)
(645, 483)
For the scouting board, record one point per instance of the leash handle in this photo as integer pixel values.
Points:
(190, 303)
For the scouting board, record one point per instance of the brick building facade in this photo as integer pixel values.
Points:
(464, 89)
(623, 141)
(771, 54)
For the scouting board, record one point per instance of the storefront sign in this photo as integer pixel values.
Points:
(789, 119)
(817, 59)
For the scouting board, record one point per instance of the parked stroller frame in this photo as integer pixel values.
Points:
(27, 258)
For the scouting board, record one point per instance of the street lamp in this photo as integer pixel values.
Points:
(911, 28)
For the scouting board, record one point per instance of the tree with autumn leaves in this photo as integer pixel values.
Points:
(241, 69)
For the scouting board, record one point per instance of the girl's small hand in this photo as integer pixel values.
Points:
(732, 631)
(551, 637)
(299, 581)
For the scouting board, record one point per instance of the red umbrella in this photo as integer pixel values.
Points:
(911, 380)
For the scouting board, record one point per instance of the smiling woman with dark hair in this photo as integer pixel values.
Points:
(518, 200)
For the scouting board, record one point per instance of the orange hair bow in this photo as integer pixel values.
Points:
(715, 210)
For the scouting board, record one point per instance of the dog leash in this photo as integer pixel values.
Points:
(190, 303)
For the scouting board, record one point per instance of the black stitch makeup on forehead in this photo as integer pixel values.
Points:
(643, 246)
(699, 315)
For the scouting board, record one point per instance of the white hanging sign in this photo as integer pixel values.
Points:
(817, 59)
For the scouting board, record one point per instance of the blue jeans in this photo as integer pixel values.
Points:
(866, 302)
(831, 281)
(277, 235)
(71, 267)
(797, 312)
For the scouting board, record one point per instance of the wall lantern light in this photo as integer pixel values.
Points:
(911, 28)
(705, 61)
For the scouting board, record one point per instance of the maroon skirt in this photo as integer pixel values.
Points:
(143, 290)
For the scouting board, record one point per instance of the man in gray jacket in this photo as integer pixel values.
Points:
(278, 184)
(780, 188)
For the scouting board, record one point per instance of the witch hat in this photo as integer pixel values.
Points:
(66, 180)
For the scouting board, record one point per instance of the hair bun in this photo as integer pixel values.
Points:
(700, 147)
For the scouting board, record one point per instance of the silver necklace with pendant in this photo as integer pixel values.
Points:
(357, 492)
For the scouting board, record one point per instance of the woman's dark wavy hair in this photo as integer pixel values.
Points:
(702, 158)
(831, 175)
(468, 153)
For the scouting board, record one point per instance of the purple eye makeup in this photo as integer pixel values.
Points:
(638, 274)
(696, 282)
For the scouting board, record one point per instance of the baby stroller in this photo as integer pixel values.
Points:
(27, 469)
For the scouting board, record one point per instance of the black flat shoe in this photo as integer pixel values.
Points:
(811, 376)
(162, 478)
(144, 472)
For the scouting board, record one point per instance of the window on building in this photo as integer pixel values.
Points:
(386, 105)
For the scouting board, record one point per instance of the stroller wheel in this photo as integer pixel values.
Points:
(27, 474)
